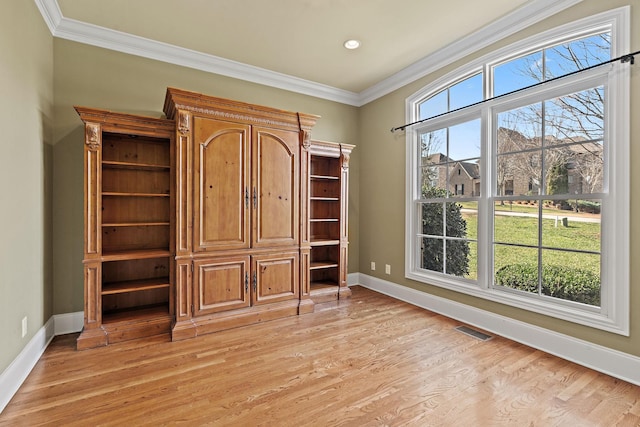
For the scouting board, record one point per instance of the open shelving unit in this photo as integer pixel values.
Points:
(328, 185)
(136, 219)
(128, 227)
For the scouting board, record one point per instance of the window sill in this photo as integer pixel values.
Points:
(587, 316)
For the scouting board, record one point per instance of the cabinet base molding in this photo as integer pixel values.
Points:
(344, 292)
(233, 319)
(123, 331)
(321, 292)
(183, 330)
(306, 306)
(91, 338)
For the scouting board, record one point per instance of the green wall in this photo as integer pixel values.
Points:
(95, 77)
(26, 117)
(382, 180)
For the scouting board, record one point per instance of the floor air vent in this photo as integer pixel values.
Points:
(473, 333)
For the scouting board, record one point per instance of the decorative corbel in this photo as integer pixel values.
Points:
(305, 137)
(183, 122)
(345, 159)
(93, 136)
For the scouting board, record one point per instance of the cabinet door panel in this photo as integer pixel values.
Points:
(276, 187)
(276, 277)
(220, 284)
(221, 184)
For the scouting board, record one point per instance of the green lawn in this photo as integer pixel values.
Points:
(524, 230)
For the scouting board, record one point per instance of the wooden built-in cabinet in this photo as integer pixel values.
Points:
(128, 227)
(222, 215)
(239, 254)
(328, 204)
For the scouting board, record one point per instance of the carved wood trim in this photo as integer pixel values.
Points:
(233, 116)
(236, 111)
(109, 121)
(305, 137)
(183, 122)
(345, 156)
(93, 136)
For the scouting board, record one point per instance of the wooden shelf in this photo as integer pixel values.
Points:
(130, 165)
(323, 291)
(135, 254)
(317, 265)
(321, 285)
(325, 199)
(328, 177)
(135, 285)
(324, 242)
(324, 219)
(137, 314)
(135, 224)
(111, 193)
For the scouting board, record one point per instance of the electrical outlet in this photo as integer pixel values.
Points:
(373, 266)
(387, 269)
(24, 327)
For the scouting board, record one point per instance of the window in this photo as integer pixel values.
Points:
(548, 171)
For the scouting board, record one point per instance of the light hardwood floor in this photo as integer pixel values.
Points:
(370, 361)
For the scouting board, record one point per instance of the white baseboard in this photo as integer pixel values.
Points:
(15, 374)
(611, 362)
(353, 279)
(68, 323)
(608, 361)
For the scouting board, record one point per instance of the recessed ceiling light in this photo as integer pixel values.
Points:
(352, 44)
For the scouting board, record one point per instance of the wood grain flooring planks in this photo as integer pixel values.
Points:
(368, 361)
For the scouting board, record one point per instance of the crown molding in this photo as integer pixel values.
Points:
(94, 35)
(532, 12)
(51, 13)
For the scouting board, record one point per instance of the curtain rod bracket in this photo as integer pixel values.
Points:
(628, 58)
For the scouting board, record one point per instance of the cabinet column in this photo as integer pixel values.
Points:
(183, 327)
(306, 303)
(344, 291)
(92, 335)
(184, 202)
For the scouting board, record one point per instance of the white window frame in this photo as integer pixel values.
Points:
(613, 315)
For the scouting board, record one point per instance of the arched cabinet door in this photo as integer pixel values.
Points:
(276, 188)
(221, 184)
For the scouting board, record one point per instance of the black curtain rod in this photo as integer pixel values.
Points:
(623, 59)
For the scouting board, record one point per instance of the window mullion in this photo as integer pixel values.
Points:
(485, 234)
(542, 189)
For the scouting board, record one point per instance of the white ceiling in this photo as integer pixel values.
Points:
(297, 44)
